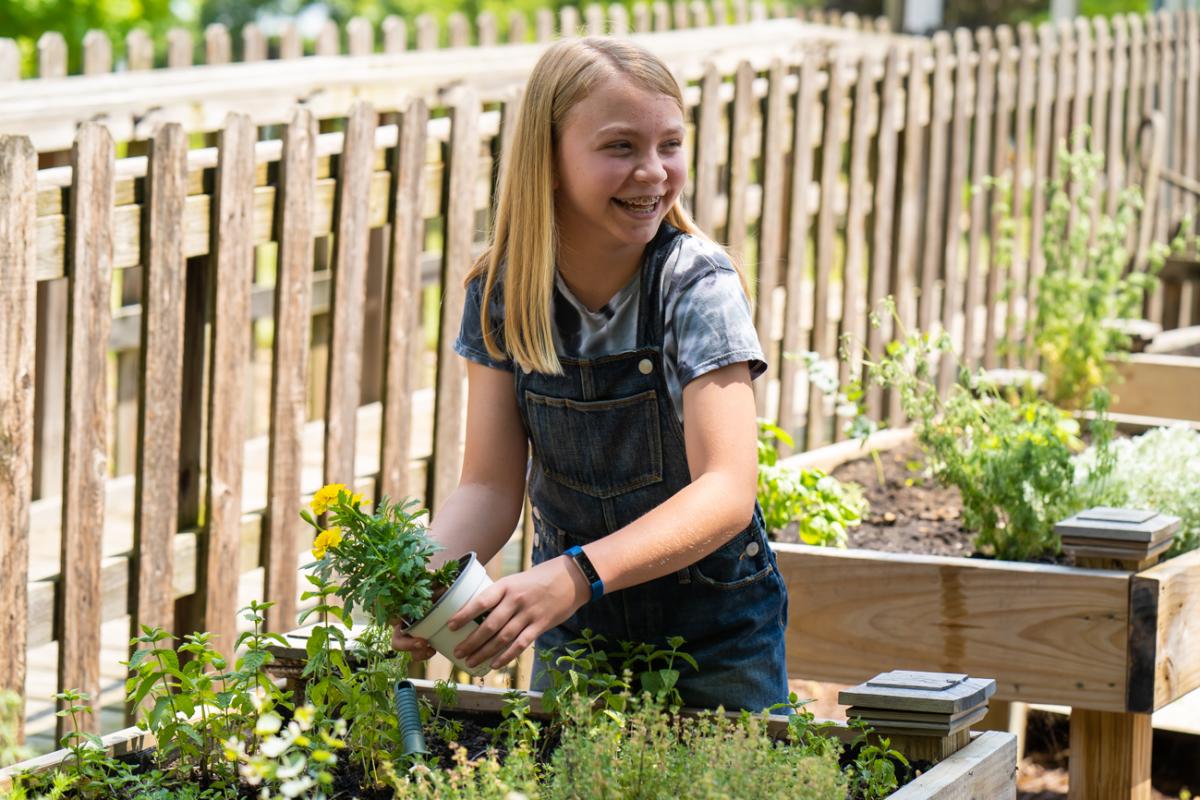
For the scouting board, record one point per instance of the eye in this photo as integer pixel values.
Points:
(620, 146)
(672, 144)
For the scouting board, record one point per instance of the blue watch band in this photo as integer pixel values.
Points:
(589, 572)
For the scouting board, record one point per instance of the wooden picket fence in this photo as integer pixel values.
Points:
(428, 32)
(840, 177)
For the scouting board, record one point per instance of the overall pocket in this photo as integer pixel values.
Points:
(603, 448)
(743, 560)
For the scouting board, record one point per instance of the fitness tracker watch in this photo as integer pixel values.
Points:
(589, 572)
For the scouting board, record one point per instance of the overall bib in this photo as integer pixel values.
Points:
(607, 448)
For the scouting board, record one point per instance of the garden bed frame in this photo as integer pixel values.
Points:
(1115, 646)
(985, 768)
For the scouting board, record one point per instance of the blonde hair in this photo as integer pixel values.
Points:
(524, 237)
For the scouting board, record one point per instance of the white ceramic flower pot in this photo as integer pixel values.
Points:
(472, 579)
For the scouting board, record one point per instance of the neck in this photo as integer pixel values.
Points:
(595, 274)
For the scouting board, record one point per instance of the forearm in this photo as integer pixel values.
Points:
(693, 523)
(476, 516)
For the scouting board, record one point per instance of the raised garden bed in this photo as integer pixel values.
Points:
(1163, 381)
(984, 768)
(1114, 642)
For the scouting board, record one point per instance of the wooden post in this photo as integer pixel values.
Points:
(18, 296)
(618, 20)
(1043, 155)
(160, 384)
(290, 45)
(568, 21)
(289, 369)
(1110, 751)
(232, 262)
(85, 459)
(594, 16)
(543, 22)
(403, 343)
(347, 295)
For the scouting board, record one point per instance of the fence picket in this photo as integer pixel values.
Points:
(360, 37)
(231, 265)
(395, 34)
(85, 459)
(52, 55)
(959, 159)
(160, 381)
(831, 163)
(10, 61)
(290, 45)
(594, 14)
(18, 296)
(708, 140)
(349, 293)
(770, 226)
(662, 16)
(618, 20)
(974, 291)
(218, 47)
(97, 53)
(517, 27)
(329, 39)
(179, 48)
(458, 29)
(1137, 82)
(1043, 155)
(568, 21)
(1101, 92)
(403, 344)
(1027, 84)
(427, 32)
(1114, 163)
(742, 117)
(998, 275)
(488, 33)
(254, 44)
(289, 366)
(880, 281)
(941, 101)
(543, 25)
(1192, 124)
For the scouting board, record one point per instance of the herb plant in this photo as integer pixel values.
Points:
(822, 507)
(11, 709)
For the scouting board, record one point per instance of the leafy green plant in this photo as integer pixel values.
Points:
(822, 507)
(1008, 452)
(381, 559)
(289, 760)
(1157, 471)
(11, 709)
(872, 773)
(1086, 285)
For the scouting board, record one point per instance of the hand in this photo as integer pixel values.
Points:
(519, 609)
(418, 648)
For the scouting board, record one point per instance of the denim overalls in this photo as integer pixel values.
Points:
(607, 448)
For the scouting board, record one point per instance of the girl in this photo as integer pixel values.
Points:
(609, 336)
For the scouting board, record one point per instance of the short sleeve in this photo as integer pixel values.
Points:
(709, 319)
(470, 344)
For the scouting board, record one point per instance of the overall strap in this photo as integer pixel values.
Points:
(650, 305)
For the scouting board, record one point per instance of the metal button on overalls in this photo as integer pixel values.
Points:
(645, 366)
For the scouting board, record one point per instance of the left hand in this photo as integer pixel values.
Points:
(519, 609)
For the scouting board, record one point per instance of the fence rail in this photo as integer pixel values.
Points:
(98, 54)
(839, 177)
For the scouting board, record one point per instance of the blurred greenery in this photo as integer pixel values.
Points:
(26, 20)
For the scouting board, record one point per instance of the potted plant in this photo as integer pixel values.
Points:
(378, 560)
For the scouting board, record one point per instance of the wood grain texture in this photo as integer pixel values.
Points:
(403, 343)
(799, 225)
(960, 159)
(708, 140)
(231, 264)
(741, 119)
(1043, 155)
(941, 103)
(289, 366)
(770, 225)
(1177, 664)
(85, 459)
(18, 296)
(1021, 178)
(831, 164)
(1110, 755)
(343, 384)
(981, 166)
(160, 383)
(880, 281)
(1046, 634)
(998, 289)
(448, 426)
(984, 768)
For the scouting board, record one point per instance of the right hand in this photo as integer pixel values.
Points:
(418, 648)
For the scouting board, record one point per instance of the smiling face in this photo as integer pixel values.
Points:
(619, 168)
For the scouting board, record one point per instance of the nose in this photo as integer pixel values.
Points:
(651, 169)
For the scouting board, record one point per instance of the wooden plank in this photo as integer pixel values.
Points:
(349, 288)
(1043, 155)
(160, 384)
(799, 225)
(458, 29)
(998, 288)
(568, 21)
(139, 51)
(1133, 103)
(1110, 755)
(97, 53)
(865, 118)
(254, 44)
(941, 103)
(981, 163)
(1115, 139)
(289, 366)
(52, 55)
(679, 15)
(543, 22)
(880, 282)
(427, 32)
(448, 428)
(360, 37)
(1157, 385)
(1064, 70)
(232, 265)
(594, 14)
(179, 48)
(1045, 633)
(1191, 107)
(18, 296)
(742, 118)
(218, 47)
(85, 460)
(517, 27)
(984, 768)
(1027, 87)
(662, 16)
(641, 18)
(1175, 584)
(708, 140)
(329, 39)
(618, 20)
(395, 34)
(485, 24)
(10, 61)
(290, 46)
(770, 225)
(1101, 86)
(404, 343)
(959, 158)
(1168, 103)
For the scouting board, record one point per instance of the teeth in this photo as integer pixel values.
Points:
(640, 202)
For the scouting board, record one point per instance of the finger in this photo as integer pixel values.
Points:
(519, 645)
(483, 602)
(492, 625)
(402, 641)
(499, 642)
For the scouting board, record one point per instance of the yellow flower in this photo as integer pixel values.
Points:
(355, 499)
(326, 496)
(325, 540)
